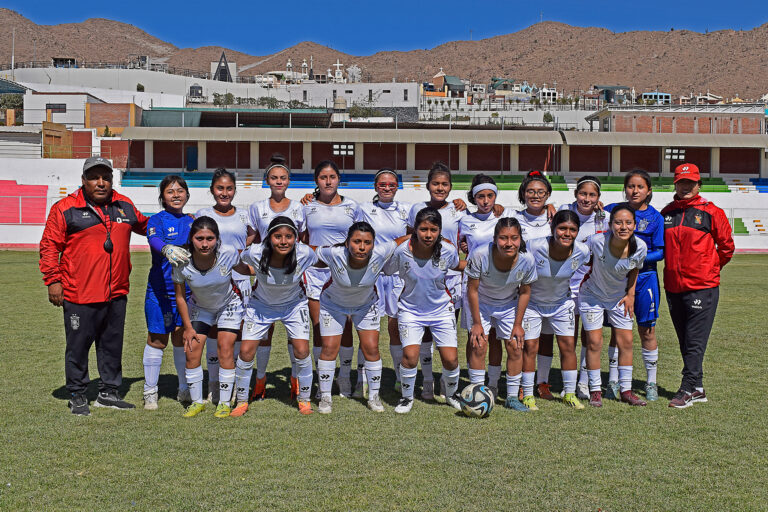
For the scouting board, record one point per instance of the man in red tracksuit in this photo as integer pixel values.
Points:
(697, 244)
(85, 261)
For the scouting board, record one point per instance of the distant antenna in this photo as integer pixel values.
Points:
(13, 55)
(470, 34)
(541, 17)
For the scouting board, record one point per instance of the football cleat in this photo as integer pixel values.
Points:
(544, 391)
(222, 410)
(404, 405)
(628, 397)
(260, 389)
(530, 403)
(516, 405)
(305, 407)
(651, 392)
(238, 411)
(612, 391)
(194, 409)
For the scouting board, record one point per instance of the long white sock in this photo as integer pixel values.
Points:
(528, 378)
(425, 358)
(180, 362)
(195, 382)
(594, 380)
(613, 364)
(451, 380)
(325, 371)
(651, 359)
(476, 376)
(625, 378)
(316, 351)
(407, 381)
(304, 367)
(583, 373)
(373, 374)
(262, 360)
(345, 355)
(153, 359)
(494, 374)
(226, 383)
(513, 385)
(396, 351)
(243, 372)
(360, 367)
(543, 365)
(569, 380)
(292, 358)
(212, 357)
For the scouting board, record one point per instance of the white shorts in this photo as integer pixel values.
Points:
(314, 280)
(244, 285)
(228, 317)
(559, 319)
(442, 327)
(453, 281)
(592, 310)
(333, 318)
(501, 318)
(388, 289)
(259, 317)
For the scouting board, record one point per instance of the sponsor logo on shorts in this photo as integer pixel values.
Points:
(403, 330)
(591, 317)
(376, 378)
(696, 304)
(74, 321)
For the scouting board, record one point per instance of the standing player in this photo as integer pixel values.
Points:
(649, 229)
(498, 291)
(350, 296)
(214, 300)
(166, 231)
(617, 256)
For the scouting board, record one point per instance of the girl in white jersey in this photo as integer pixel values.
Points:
(280, 262)
(235, 233)
(328, 218)
(260, 215)
(215, 300)
(423, 261)
(350, 296)
(500, 274)
(557, 258)
(617, 257)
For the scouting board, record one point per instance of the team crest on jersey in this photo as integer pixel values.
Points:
(574, 264)
(223, 270)
(348, 210)
(442, 264)
(697, 218)
(642, 225)
(295, 214)
(407, 265)
(632, 264)
(74, 321)
(122, 212)
(403, 215)
(150, 231)
(375, 268)
(519, 275)
(244, 218)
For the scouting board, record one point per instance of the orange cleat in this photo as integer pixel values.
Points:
(544, 391)
(241, 409)
(294, 388)
(259, 389)
(305, 407)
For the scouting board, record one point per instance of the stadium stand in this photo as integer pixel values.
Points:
(22, 204)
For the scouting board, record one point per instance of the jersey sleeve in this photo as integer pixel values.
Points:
(451, 255)
(474, 268)
(640, 253)
(52, 245)
(301, 219)
(178, 275)
(530, 275)
(140, 228)
(721, 232)
(253, 215)
(393, 264)
(155, 233)
(412, 216)
(325, 254)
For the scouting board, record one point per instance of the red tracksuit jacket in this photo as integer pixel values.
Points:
(72, 248)
(697, 244)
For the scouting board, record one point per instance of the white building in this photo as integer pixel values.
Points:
(65, 108)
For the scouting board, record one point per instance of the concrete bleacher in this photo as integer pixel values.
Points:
(153, 179)
(348, 181)
(660, 184)
(760, 184)
(22, 204)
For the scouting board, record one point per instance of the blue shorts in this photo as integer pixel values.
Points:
(647, 299)
(161, 314)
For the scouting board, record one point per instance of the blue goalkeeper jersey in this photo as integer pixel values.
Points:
(167, 228)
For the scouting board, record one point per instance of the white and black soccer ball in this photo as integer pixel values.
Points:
(476, 400)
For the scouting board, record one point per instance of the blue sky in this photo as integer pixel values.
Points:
(363, 27)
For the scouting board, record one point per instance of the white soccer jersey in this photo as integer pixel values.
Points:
(595, 222)
(260, 214)
(450, 216)
(607, 280)
(328, 224)
(389, 222)
(424, 290)
(533, 226)
(233, 229)
(349, 287)
(211, 289)
(552, 288)
(276, 287)
(499, 288)
(477, 228)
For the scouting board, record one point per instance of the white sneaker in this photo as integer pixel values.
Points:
(582, 391)
(326, 405)
(404, 405)
(150, 401)
(374, 404)
(453, 401)
(183, 396)
(345, 387)
(213, 392)
(428, 390)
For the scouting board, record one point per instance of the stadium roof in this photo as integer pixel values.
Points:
(236, 117)
(11, 87)
(664, 139)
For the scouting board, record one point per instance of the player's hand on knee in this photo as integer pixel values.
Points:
(176, 255)
(56, 294)
(477, 337)
(190, 338)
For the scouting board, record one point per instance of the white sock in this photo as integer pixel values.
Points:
(700, 390)
(195, 382)
(625, 378)
(345, 355)
(396, 351)
(594, 380)
(425, 358)
(226, 383)
(304, 367)
(583, 372)
(407, 381)
(494, 374)
(325, 372)
(153, 359)
(180, 362)
(613, 364)
(236, 352)
(316, 351)
(262, 359)
(243, 372)
(513, 385)
(360, 367)
(543, 365)
(528, 378)
(292, 358)
(451, 380)
(373, 374)
(212, 357)
(569, 380)
(476, 376)
(651, 359)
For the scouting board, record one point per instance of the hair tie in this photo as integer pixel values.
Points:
(484, 186)
(534, 173)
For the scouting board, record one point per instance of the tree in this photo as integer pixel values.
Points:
(548, 117)
(139, 87)
(106, 133)
(480, 103)
(11, 101)
(266, 101)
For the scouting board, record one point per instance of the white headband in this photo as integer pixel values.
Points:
(485, 186)
(283, 225)
(590, 181)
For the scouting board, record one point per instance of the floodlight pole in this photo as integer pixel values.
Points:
(13, 54)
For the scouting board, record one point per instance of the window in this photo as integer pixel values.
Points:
(370, 94)
(334, 94)
(347, 92)
(56, 108)
(304, 96)
(386, 91)
(405, 94)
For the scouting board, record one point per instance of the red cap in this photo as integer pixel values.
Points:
(687, 172)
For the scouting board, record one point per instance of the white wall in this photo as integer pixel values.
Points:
(74, 117)
(145, 100)
(54, 172)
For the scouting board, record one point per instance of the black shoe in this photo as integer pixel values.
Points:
(698, 396)
(681, 400)
(78, 404)
(111, 400)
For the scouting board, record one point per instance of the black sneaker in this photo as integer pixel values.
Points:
(111, 400)
(78, 404)
(681, 400)
(698, 396)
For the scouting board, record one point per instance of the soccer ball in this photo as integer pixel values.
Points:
(477, 400)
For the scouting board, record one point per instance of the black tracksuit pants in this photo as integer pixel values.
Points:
(102, 323)
(693, 314)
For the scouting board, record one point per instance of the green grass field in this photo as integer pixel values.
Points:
(707, 457)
